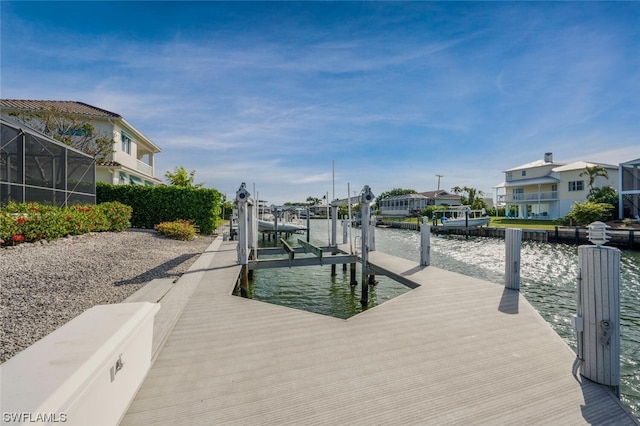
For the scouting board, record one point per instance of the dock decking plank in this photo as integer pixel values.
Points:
(455, 350)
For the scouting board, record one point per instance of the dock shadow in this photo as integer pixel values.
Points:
(593, 394)
(509, 301)
(160, 271)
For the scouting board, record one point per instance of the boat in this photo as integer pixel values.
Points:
(269, 226)
(463, 217)
(287, 222)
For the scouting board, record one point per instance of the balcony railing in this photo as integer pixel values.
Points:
(145, 168)
(529, 197)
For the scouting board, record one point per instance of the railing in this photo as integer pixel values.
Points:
(530, 196)
(144, 168)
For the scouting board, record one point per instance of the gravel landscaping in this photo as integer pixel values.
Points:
(44, 285)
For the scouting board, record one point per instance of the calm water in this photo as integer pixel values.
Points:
(548, 281)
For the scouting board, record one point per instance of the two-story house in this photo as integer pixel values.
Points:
(132, 159)
(545, 189)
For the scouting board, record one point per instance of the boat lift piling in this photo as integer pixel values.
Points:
(243, 202)
(365, 199)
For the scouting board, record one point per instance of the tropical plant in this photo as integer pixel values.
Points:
(592, 173)
(180, 177)
(470, 196)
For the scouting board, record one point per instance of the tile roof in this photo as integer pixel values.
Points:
(67, 106)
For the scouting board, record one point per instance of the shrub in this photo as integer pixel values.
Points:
(178, 230)
(584, 213)
(21, 222)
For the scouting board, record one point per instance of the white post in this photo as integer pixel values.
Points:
(345, 234)
(598, 319)
(425, 243)
(252, 226)
(513, 241)
(242, 196)
(366, 198)
(334, 226)
(372, 233)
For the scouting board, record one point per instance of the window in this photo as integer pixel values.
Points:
(524, 173)
(126, 143)
(518, 194)
(576, 185)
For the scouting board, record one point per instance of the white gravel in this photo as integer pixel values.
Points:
(44, 285)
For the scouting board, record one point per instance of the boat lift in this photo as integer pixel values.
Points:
(249, 253)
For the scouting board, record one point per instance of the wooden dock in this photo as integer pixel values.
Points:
(455, 350)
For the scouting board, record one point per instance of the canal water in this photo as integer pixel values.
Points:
(548, 281)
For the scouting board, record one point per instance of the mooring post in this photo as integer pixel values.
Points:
(425, 242)
(598, 312)
(512, 243)
(242, 198)
(365, 200)
(308, 224)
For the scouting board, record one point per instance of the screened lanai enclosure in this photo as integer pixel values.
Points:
(630, 189)
(36, 168)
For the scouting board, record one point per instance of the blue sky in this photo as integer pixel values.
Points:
(272, 94)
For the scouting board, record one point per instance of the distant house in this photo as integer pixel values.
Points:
(629, 204)
(545, 189)
(133, 159)
(408, 204)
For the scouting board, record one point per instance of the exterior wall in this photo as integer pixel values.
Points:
(127, 160)
(104, 175)
(534, 172)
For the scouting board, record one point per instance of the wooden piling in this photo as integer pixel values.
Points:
(598, 319)
(513, 242)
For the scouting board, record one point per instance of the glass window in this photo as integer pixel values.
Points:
(576, 185)
(126, 142)
(524, 173)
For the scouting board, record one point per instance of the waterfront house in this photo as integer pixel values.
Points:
(409, 204)
(545, 189)
(132, 161)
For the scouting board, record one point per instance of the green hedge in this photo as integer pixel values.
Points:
(153, 205)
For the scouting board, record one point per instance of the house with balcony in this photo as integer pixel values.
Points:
(132, 161)
(545, 189)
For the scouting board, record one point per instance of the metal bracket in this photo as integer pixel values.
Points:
(605, 332)
(116, 367)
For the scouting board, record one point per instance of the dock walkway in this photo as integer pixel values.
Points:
(455, 350)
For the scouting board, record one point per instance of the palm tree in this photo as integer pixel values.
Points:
(592, 172)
